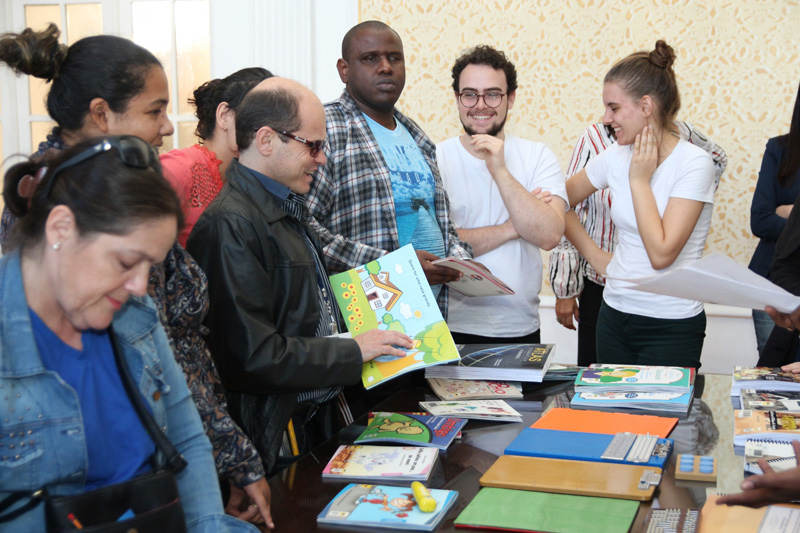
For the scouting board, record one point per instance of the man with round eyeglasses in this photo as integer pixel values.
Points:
(507, 198)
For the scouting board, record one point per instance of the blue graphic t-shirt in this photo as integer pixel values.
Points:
(413, 189)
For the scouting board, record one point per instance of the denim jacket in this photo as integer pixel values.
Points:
(42, 440)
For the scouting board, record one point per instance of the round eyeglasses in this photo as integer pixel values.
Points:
(470, 98)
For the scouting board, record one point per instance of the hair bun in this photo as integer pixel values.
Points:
(663, 56)
(36, 53)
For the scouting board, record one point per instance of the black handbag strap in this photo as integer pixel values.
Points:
(174, 460)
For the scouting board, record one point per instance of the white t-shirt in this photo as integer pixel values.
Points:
(688, 173)
(475, 202)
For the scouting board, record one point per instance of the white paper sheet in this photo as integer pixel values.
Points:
(718, 279)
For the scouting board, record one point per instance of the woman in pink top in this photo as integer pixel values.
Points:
(197, 173)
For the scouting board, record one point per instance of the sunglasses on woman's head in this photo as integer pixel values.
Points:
(132, 151)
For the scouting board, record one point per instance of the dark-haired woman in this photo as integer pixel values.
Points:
(776, 191)
(102, 85)
(663, 190)
(198, 172)
(79, 263)
(178, 286)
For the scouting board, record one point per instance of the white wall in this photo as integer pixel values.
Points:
(730, 337)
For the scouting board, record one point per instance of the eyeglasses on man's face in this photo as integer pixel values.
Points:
(314, 146)
(470, 98)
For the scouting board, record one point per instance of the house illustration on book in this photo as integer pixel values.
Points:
(381, 293)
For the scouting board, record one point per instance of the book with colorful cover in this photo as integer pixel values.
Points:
(382, 506)
(496, 410)
(668, 402)
(472, 389)
(763, 400)
(779, 454)
(749, 424)
(504, 362)
(475, 281)
(381, 463)
(634, 378)
(392, 293)
(763, 378)
(412, 430)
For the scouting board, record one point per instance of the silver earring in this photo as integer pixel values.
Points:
(56, 246)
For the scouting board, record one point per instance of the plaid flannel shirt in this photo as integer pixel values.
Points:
(351, 198)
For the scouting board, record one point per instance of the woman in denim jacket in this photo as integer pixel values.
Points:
(91, 226)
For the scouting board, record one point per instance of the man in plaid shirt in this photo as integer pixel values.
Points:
(380, 188)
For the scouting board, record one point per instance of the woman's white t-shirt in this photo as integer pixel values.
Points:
(688, 172)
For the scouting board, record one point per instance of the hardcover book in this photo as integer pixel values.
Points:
(392, 293)
(381, 506)
(471, 389)
(749, 424)
(412, 430)
(634, 378)
(381, 463)
(496, 410)
(762, 400)
(511, 362)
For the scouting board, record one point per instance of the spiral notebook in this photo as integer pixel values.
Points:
(777, 453)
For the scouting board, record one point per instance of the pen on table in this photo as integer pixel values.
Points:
(292, 438)
(422, 495)
(75, 521)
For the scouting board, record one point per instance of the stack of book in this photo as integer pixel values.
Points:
(762, 379)
(749, 424)
(504, 362)
(779, 455)
(634, 388)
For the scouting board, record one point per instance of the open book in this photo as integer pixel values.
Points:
(476, 281)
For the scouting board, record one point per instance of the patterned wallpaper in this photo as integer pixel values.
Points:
(738, 70)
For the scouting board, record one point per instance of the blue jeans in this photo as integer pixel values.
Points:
(763, 324)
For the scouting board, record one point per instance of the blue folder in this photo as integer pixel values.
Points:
(575, 445)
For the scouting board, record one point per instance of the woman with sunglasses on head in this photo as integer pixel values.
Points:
(109, 85)
(663, 190)
(198, 172)
(72, 300)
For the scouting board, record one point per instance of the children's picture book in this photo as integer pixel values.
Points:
(764, 400)
(665, 402)
(382, 506)
(392, 293)
(505, 362)
(779, 454)
(496, 410)
(749, 424)
(381, 463)
(475, 281)
(763, 378)
(472, 389)
(412, 430)
(524, 510)
(634, 378)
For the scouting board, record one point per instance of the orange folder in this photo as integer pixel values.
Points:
(605, 423)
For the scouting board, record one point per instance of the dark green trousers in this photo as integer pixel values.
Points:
(627, 339)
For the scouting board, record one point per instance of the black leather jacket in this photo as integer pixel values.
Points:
(264, 310)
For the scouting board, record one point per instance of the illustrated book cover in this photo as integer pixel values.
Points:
(382, 506)
(475, 281)
(392, 293)
(633, 378)
(764, 400)
(749, 424)
(412, 430)
(381, 463)
(505, 362)
(496, 410)
(665, 402)
(472, 389)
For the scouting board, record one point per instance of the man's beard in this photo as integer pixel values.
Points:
(493, 131)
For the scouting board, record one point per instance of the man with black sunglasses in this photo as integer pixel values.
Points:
(272, 312)
(508, 201)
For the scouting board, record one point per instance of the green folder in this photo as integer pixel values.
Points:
(522, 510)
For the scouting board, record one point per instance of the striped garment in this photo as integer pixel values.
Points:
(567, 266)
